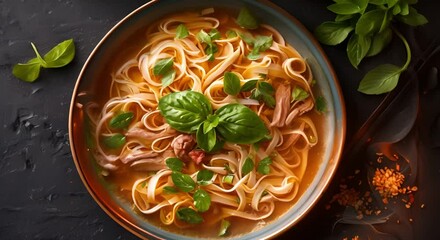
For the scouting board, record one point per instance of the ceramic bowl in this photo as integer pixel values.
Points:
(99, 60)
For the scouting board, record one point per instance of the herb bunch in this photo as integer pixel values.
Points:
(367, 24)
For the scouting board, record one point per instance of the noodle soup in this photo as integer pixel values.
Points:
(209, 121)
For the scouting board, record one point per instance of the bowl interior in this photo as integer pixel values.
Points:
(100, 61)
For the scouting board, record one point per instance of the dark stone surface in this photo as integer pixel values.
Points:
(41, 194)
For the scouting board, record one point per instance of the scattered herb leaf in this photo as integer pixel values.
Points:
(174, 164)
(247, 167)
(181, 31)
(264, 166)
(183, 181)
(246, 20)
(189, 215)
(224, 226)
(122, 120)
(204, 177)
(202, 200)
(114, 141)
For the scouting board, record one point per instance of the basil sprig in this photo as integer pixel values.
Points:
(114, 141)
(191, 112)
(264, 166)
(260, 90)
(164, 68)
(189, 215)
(208, 39)
(182, 31)
(246, 20)
(259, 43)
(122, 120)
(370, 24)
(59, 56)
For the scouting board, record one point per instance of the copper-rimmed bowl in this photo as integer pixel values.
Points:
(100, 60)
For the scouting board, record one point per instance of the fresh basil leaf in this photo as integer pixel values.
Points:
(391, 3)
(224, 226)
(264, 166)
(174, 164)
(210, 123)
(413, 18)
(228, 179)
(396, 9)
(341, 18)
(239, 124)
(204, 37)
(404, 8)
(370, 22)
(246, 20)
(61, 55)
(231, 34)
(321, 104)
(357, 48)
(169, 190)
(231, 83)
(363, 4)
(206, 141)
(163, 66)
(183, 181)
(344, 8)
(121, 120)
(332, 33)
(299, 94)
(40, 59)
(247, 167)
(254, 54)
(181, 31)
(381, 79)
(29, 71)
(168, 78)
(249, 85)
(379, 42)
(189, 215)
(214, 34)
(266, 88)
(202, 200)
(377, 2)
(263, 42)
(204, 177)
(247, 38)
(210, 50)
(269, 100)
(185, 111)
(114, 141)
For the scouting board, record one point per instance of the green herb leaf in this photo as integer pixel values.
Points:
(202, 200)
(174, 164)
(299, 94)
(114, 141)
(239, 124)
(370, 22)
(321, 104)
(183, 181)
(333, 33)
(340, 18)
(247, 167)
(29, 71)
(264, 166)
(357, 48)
(391, 3)
(224, 226)
(231, 34)
(206, 141)
(379, 42)
(204, 37)
(61, 55)
(228, 179)
(246, 20)
(210, 123)
(377, 2)
(204, 177)
(163, 66)
(168, 78)
(249, 85)
(261, 44)
(185, 111)
(169, 190)
(247, 38)
(380, 80)
(181, 31)
(214, 34)
(189, 215)
(344, 8)
(413, 18)
(121, 120)
(231, 84)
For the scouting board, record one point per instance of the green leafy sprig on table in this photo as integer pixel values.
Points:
(368, 26)
(59, 56)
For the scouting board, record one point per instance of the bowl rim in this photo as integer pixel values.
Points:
(336, 154)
